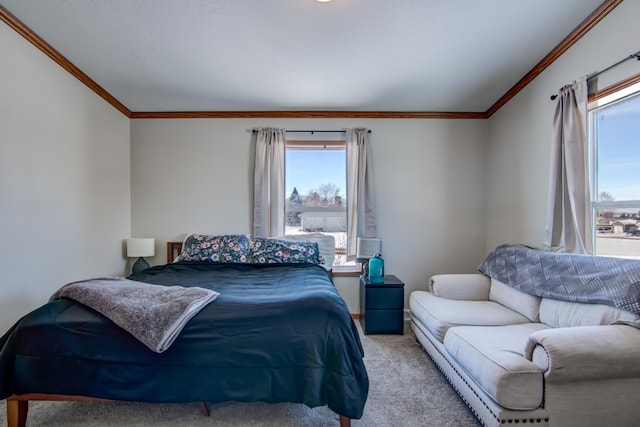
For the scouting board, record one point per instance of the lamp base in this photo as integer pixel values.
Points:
(139, 266)
(365, 266)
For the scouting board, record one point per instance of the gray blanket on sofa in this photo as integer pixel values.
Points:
(154, 314)
(568, 277)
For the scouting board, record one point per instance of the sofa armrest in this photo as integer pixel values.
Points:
(460, 286)
(585, 353)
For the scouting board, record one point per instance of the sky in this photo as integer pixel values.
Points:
(308, 169)
(618, 132)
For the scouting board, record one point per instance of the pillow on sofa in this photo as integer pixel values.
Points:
(562, 314)
(472, 286)
(518, 301)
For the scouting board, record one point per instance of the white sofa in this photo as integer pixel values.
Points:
(515, 358)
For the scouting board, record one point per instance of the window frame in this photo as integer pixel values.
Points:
(312, 144)
(607, 97)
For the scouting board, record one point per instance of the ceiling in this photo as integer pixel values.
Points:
(276, 55)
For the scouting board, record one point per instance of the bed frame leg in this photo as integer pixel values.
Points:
(17, 412)
(204, 408)
(344, 421)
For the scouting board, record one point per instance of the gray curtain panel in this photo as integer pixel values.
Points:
(361, 198)
(569, 219)
(268, 183)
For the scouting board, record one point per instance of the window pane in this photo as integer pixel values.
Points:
(309, 169)
(315, 185)
(618, 232)
(616, 161)
(618, 150)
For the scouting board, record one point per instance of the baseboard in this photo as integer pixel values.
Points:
(405, 316)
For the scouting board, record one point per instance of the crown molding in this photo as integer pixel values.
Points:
(48, 50)
(305, 115)
(592, 20)
(585, 26)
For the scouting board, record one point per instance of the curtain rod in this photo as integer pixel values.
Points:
(313, 131)
(635, 56)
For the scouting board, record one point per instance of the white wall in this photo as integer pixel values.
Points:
(195, 175)
(520, 132)
(448, 190)
(64, 180)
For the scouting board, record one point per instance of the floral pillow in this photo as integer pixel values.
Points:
(275, 251)
(231, 248)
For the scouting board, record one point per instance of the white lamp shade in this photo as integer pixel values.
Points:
(139, 247)
(367, 248)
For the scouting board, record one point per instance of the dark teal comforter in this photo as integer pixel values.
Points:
(275, 334)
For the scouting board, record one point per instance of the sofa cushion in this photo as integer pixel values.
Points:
(562, 314)
(523, 303)
(493, 356)
(439, 314)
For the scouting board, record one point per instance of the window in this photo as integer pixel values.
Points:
(615, 173)
(315, 191)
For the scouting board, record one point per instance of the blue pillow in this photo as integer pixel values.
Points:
(229, 248)
(275, 251)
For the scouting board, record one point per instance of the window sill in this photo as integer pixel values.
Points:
(347, 270)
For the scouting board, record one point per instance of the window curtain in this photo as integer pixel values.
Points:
(361, 211)
(569, 218)
(268, 183)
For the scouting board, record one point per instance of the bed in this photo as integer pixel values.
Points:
(277, 332)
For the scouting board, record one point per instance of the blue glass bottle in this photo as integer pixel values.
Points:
(376, 269)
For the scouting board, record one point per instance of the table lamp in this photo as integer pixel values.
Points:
(367, 248)
(140, 247)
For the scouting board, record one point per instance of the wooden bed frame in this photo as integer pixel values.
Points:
(173, 250)
(18, 405)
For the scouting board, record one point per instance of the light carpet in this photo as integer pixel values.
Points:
(406, 390)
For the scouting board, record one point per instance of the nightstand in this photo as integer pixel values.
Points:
(381, 306)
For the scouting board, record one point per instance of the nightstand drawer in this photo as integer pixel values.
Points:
(384, 322)
(384, 298)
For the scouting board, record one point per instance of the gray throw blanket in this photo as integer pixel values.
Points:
(153, 314)
(569, 277)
